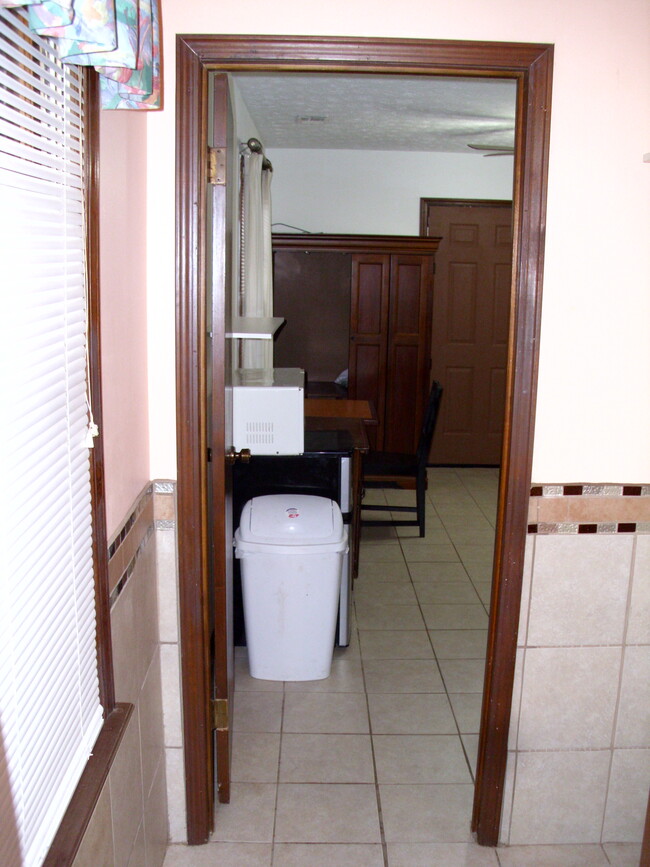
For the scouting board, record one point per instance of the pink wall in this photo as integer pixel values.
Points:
(596, 305)
(123, 187)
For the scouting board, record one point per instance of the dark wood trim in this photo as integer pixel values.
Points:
(529, 225)
(191, 172)
(116, 716)
(453, 203)
(77, 817)
(100, 540)
(531, 65)
(356, 243)
(364, 54)
(219, 311)
(645, 845)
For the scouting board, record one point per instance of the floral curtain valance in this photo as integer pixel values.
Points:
(120, 38)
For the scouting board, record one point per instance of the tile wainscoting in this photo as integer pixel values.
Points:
(130, 827)
(579, 761)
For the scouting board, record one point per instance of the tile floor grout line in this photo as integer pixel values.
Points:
(382, 835)
(192, 857)
(462, 562)
(277, 776)
(437, 661)
(444, 683)
(462, 743)
(400, 539)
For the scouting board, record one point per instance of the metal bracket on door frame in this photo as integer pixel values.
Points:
(219, 714)
(217, 166)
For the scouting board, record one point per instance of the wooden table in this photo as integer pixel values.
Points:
(351, 416)
(332, 407)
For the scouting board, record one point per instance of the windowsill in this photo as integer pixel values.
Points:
(80, 810)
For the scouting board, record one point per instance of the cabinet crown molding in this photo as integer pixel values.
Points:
(355, 243)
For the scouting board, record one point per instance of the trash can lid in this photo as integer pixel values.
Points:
(291, 519)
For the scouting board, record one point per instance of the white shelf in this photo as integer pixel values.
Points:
(262, 328)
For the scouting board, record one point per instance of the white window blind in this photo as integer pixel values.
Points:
(50, 713)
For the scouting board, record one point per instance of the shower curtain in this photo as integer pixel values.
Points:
(256, 277)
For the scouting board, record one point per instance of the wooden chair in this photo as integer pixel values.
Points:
(391, 469)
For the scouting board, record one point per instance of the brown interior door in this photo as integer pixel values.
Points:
(368, 335)
(219, 434)
(471, 311)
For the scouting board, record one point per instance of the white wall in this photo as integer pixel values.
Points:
(593, 409)
(376, 192)
(245, 127)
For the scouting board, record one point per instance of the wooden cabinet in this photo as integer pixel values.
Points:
(389, 283)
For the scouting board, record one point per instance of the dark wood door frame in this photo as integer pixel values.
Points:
(531, 65)
(425, 202)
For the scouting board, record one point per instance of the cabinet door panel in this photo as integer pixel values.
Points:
(403, 404)
(369, 383)
(312, 292)
(406, 292)
(370, 275)
(407, 375)
(368, 334)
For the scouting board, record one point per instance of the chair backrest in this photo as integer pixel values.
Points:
(429, 422)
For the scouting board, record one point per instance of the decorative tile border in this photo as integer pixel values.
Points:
(582, 509)
(164, 486)
(569, 529)
(590, 491)
(164, 502)
(121, 535)
(154, 510)
(129, 569)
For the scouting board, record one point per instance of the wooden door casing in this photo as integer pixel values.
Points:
(531, 65)
(220, 439)
(471, 310)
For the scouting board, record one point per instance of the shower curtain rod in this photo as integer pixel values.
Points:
(256, 146)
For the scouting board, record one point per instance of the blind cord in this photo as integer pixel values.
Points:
(92, 430)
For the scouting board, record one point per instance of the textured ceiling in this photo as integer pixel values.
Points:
(371, 112)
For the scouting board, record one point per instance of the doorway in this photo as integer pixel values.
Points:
(531, 66)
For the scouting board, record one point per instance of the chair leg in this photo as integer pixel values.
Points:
(421, 502)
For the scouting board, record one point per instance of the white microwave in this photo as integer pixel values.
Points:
(268, 408)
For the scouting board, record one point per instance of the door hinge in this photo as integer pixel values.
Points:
(219, 714)
(209, 454)
(217, 166)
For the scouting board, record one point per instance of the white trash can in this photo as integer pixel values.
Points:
(291, 549)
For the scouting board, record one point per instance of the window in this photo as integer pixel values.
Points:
(50, 712)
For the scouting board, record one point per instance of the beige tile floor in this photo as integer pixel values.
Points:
(374, 767)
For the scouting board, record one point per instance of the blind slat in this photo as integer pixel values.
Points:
(49, 691)
(41, 94)
(11, 180)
